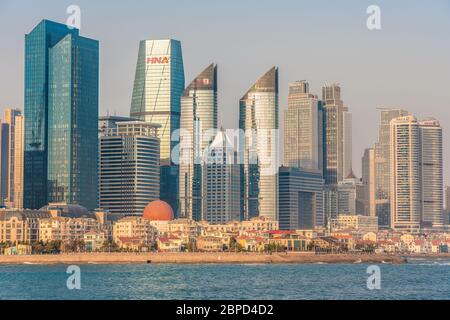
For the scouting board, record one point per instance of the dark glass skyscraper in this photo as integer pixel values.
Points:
(61, 116)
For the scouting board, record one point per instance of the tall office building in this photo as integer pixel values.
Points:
(221, 182)
(383, 165)
(38, 44)
(303, 128)
(9, 119)
(405, 191)
(337, 135)
(259, 119)
(61, 114)
(18, 162)
(368, 181)
(73, 121)
(4, 162)
(129, 167)
(198, 118)
(158, 87)
(431, 166)
(301, 199)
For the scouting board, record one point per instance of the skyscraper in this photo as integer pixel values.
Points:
(198, 121)
(61, 114)
(259, 119)
(337, 135)
(447, 205)
(38, 45)
(4, 162)
(129, 167)
(221, 182)
(431, 166)
(405, 191)
(383, 165)
(303, 128)
(158, 87)
(73, 121)
(9, 119)
(368, 181)
(18, 162)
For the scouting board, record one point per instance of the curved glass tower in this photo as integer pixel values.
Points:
(158, 86)
(198, 117)
(259, 119)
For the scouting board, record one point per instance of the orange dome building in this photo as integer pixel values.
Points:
(158, 211)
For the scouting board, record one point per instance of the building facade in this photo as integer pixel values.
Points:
(61, 114)
(221, 182)
(158, 87)
(303, 128)
(431, 164)
(259, 120)
(38, 44)
(383, 165)
(337, 136)
(405, 191)
(18, 162)
(368, 181)
(301, 199)
(129, 167)
(72, 121)
(198, 121)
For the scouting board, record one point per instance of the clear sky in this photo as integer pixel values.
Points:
(406, 64)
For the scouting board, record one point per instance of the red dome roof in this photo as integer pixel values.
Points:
(158, 211)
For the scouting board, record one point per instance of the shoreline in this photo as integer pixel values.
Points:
(199, 258)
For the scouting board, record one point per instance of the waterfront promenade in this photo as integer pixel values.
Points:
(198, 258)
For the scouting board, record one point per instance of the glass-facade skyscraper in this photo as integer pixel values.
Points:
(158, 87)
(198, 117)
(61, 116)
(259, 119)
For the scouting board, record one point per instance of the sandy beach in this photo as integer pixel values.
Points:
(197, 258)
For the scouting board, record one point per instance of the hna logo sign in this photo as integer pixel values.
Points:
(158, 60)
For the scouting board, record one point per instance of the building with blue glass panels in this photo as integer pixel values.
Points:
(61, 116)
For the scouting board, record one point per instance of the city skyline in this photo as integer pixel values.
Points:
(377, 66)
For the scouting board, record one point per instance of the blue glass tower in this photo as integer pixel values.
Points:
(61, 117)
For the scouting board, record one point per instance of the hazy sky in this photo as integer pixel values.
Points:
(406, 64)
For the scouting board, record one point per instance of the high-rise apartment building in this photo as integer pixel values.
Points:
(383, 165)
(431, 165)
(337, 136)
(158, 87)
(18, 162)
(447, 205)
(9, 119)
(129, 167)
(303, 140)
(259, 119)
(198, 122)
(61, 114)
(221, 182)
(405, 190)
(368, 181)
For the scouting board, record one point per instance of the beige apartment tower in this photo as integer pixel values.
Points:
(18, 162)
(405, 180)
(303, 128)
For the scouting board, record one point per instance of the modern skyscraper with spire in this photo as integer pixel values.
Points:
(259, 119)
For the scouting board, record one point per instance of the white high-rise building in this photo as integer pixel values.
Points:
(198, 127)
(405, 190)
(18, 162)
(259, 118)
(431, 173)
(221, 182)
(129, 167)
